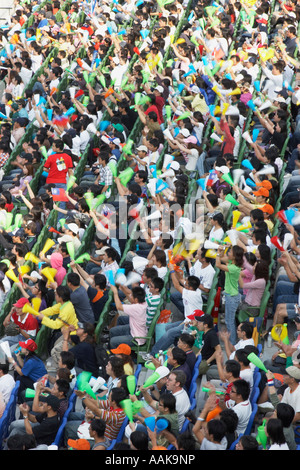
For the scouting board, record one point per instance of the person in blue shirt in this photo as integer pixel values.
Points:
(114, 144)
(205, 85)
(28, 367)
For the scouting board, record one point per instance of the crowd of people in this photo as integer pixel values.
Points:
(149, 214)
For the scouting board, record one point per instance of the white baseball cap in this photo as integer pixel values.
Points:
(195, 89)
(142, 148)
(163, 371)
(159, 88)
(185, 132)
(73, 227)
(223, 169)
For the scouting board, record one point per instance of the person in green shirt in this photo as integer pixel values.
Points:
(232, 264)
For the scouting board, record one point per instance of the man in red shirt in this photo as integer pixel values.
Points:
(26, 323)
(156, 103)
(159, 100)
(59, 165)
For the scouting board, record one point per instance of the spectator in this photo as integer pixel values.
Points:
(133, 321)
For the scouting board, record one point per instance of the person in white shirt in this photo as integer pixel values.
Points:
(244, 334)
(119, 69)
(26, 72)
(175, 383)
(204, 270)
(247, 370)
(274, 79)
(252, 68)
(239, 402)
(125, 11)
(192, 300)
(18, 87)
(210, 43)
(291, 394)
(7, 382)
(274, 430)
(35, 56)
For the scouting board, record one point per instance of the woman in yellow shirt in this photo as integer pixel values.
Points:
(65, 316)
(124, 351)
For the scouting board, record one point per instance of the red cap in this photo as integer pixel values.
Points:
(196, 314)
(29, 344)
(21, 302)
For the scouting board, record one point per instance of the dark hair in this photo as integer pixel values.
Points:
(257, 214)
(213, 199)
(135, 188)
(250, 257)
(193, 282)
(168, 401)
(274, 429)
(242, 388)
(121, 446)
(241, 356)
(167, 240)
(68, 359)
(74, 279)
(63, 292)
(64, 373)
(29, 442)
(238, 254)
(160, 256)
(247, 327)
(249, 442)
(117, 365)
(143, 175)
(233, 367)
(187, 339)
(98, 425)
(261, 270)
(285, 413)
(139, 440)
(179, 355)
(158, 283)
(15, 442)
(150, 272)
(250, 348)
(118, 394)
(260, 235)
(230, 418)
(111, 253)
(218, 217)
(100, 280)
(63, 386)
(203, 253)
(217, 428)
(4, 367)
(265, 252)
(59, 144)
(139, 294)
(207, 320)
(186, 441)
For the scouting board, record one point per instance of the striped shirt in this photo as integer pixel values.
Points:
(152, 304)
(113, 418)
